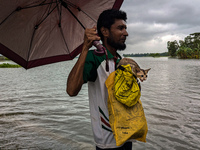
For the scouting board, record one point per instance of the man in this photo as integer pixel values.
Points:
(90, 68)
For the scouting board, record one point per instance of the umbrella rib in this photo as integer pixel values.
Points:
(61, 30)
(59, 13)
(65, 5)
(33, 3)
(47, 10)
(65, 41)
(47, 15)
(31, 44)
(70, 4)
(20, 8)
(41, 4)
(86, 14)
(7, 17)
(36, 27)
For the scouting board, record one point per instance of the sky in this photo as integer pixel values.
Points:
(152, 23)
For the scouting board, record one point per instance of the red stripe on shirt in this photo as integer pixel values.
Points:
(107, 124)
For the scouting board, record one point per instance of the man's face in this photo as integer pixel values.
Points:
(117, 35)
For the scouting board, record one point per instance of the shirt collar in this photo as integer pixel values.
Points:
(110, 56)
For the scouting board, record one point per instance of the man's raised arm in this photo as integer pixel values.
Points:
(75, 78)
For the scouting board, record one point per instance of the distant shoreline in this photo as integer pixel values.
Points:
(164, 54)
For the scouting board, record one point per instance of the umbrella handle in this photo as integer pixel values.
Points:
(100, 51)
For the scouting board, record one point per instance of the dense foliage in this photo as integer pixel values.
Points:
(187, 48)
(172, 48)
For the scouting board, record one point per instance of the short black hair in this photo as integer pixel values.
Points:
(107, 18)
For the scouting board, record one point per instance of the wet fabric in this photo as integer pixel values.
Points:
(126, 122)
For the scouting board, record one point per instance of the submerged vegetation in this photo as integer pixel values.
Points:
(187, 48)
(3, 58)
(7, 65)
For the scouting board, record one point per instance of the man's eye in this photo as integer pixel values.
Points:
(121, 27)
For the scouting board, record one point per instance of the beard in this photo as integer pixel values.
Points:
(117, 46)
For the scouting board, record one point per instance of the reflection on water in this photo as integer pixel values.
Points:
(36, 112)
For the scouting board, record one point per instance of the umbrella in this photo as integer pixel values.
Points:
(39, 32)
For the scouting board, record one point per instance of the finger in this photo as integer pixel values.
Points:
(91, 30)
(95, 27)
(91, 34)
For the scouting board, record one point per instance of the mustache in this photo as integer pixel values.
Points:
(124, 38)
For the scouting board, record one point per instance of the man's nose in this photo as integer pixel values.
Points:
(125, 33)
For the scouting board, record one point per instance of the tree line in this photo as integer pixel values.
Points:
(147, 55)
(187, 48)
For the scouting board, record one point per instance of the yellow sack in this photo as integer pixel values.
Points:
(126, 88)
(126, 122)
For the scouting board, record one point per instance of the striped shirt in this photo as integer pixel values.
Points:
(95, 74)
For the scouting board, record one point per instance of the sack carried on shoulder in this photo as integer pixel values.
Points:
(126, 122)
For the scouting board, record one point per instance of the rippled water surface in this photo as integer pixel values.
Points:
(36, 112)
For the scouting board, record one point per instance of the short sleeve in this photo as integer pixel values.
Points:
(90, 68)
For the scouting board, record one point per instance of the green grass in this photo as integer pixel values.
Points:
(3, 58)
(7, 65)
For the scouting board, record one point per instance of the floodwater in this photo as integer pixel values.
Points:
(36, 113)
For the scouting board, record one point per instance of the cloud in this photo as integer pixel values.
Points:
(151, 23)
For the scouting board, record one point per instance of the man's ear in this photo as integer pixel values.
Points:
(105, 31)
